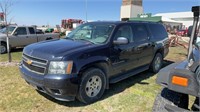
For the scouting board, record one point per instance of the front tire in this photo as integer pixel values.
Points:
(92, 86)
(171, 98)
(3, 48)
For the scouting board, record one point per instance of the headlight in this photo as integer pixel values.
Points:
(60, 67)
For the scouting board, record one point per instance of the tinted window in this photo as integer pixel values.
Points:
(39, 31)
(140, 33)
(21, 31)
(31, 30)
(124, 31)
(158, 31)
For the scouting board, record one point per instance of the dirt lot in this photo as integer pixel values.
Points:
(135, 94)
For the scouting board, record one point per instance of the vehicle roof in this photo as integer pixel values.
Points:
(121, 22)
(25, 26)
(12, 25)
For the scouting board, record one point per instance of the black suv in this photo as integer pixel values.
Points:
(93, 55)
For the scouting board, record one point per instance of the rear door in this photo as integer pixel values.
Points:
(32, 37)
(159, 37)
(143, 46)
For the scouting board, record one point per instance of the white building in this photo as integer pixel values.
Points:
(186, 18)
(131, 8)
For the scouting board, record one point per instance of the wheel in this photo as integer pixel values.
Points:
(156, 63)
(171, 98)
(92, 86)
(3, 48)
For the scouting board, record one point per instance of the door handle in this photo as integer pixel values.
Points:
(139, 48)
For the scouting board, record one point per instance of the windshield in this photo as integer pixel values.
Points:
(95, 33)
(10, 29)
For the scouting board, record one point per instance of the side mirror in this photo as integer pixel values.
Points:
(121, 41)
(15, 33)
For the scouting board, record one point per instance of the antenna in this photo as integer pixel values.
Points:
(86, 11)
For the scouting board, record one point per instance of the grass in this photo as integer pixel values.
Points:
(16, 55)
(134, 94)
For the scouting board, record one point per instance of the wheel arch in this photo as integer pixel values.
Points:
(3, 42)
(160, 50)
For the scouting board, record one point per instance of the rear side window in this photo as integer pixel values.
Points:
(140, 33)
(31, 30)
(158, 31)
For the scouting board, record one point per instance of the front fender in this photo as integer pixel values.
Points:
(90, 60)
(2, 39)
(165, 75)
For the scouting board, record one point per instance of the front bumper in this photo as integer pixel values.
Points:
(60, 87)
(171, 108)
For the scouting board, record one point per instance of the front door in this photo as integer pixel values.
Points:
(19, 38)
(122, 56)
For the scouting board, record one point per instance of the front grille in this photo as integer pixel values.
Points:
(197, 72)
(34, 64)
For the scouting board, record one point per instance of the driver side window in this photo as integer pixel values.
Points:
(21, 31)
(124, 31)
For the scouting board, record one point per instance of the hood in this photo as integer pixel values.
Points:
(2, 35)
(54, 49)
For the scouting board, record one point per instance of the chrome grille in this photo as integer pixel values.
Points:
(34, 64)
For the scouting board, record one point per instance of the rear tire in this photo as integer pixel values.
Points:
(92, 86)
(171, 98)
(156, 63)
(3, 48)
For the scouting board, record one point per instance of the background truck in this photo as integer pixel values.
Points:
(20, 36)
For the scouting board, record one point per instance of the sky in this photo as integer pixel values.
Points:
(44, 12)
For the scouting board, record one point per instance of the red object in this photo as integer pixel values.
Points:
(1, 15)
(68, 23)
(181, 32)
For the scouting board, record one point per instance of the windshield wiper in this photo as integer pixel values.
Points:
(69, 38)
(86, 40)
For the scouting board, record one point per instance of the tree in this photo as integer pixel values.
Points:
(5, 6)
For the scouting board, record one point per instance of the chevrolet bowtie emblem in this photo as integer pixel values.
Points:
(29, 62)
